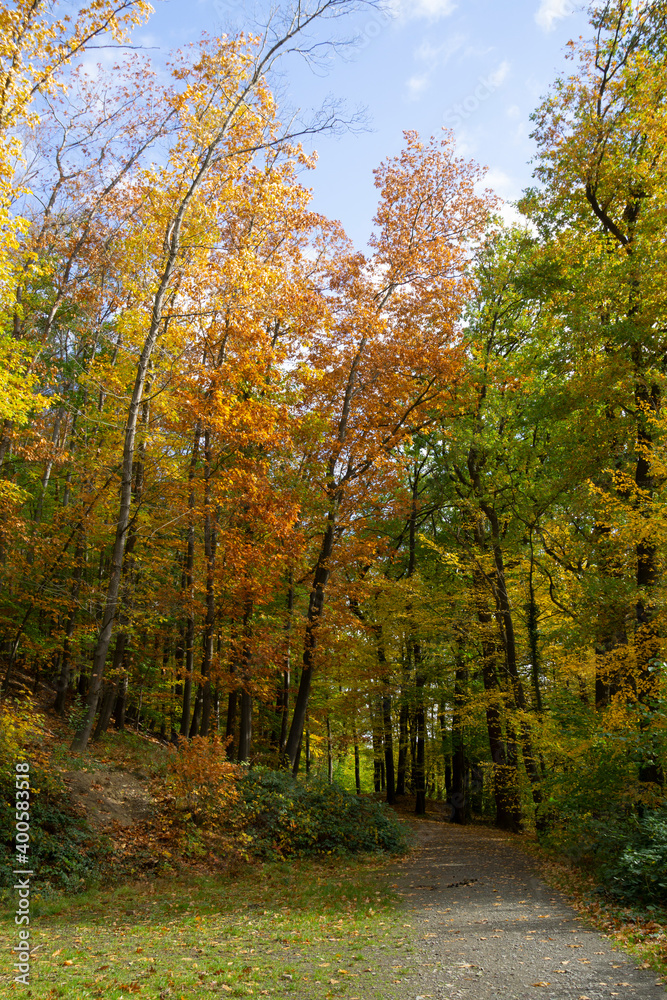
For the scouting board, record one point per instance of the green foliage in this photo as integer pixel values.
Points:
(288, 817)
(64, 852)
(639, 873)
(624, 846)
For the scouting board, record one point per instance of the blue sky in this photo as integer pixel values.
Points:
(477, 66)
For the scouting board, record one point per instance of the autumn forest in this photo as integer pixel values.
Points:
(392, 517)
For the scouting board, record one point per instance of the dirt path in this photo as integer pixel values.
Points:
(105, 797)
(488, 927)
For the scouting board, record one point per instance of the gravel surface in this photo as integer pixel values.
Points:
(488, 927)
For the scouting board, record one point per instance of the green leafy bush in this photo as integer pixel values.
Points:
(639, 873)
(283, 816)
(64, 852)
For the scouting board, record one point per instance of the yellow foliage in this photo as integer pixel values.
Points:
(18, 384)
(20, 723)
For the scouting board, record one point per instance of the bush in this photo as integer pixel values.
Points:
(626, 852)
(64, 853)
(639, 873)
(283, 817)
(201, 782)
(20, 725)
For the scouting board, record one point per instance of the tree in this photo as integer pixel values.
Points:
(602, 160)
(390, 350)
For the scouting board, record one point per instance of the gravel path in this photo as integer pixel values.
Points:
(488, 927)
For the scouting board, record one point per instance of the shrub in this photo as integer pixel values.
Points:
(283, 816)
(201, 783)
(64, 853)
(639, 873)
(20, 725)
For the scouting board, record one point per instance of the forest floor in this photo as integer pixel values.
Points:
(486, 925)
(466, 914)
(309, 930)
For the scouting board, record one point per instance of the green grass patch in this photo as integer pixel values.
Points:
(307, 929)
(128, 751)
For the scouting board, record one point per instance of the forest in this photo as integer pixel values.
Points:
(392, 517)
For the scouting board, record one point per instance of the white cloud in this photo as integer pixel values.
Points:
(417, 85)
(509, 190)
(511, 216)
(432, 56)
(498, 77)
(438, 55)
(431, 10)
(501, 183)
(551, 11)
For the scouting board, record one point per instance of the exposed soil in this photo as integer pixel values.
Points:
(107, 797)
(488, 927)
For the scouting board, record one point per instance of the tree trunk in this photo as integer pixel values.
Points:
(533, 633)
(505, 776)
(111, 688)
(387, 728)
(64, 676)
(196, 715)
(210, 546)
(504, 610)
(108, 701)
(113, 589)
(648, 644)
(420, 734)
(329, 753)
(378, 750)
(173, 254)
(357, 771)
(188, 588)
(245, 734)
(315, 608)
(460, 805)
(283, 700)
(230, 728)
(403, 744)
(121, 701)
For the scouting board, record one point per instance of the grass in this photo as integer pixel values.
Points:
(303, 929)
(136, 753)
